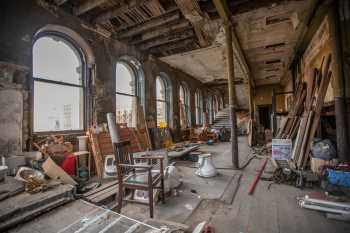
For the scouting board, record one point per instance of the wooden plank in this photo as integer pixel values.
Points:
(142, 127)
(165, 30)
(149, 25)
(102, 187)
(118, 11)
(319, 103)
(87, 5)
(305, 139)
(96, 153)
(105, 194)
(167, 39)
(60, 2)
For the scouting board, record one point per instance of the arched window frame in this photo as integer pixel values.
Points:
(215, 106)
(210, 109)
(64, 34)
(186, 105)
(199, 107)
(167, 88)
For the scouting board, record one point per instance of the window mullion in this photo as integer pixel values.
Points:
(57, 82)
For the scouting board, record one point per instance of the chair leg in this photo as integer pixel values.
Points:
(120, 197)
(162, 190)
(150, 197)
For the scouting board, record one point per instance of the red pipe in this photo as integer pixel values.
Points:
(257, 177)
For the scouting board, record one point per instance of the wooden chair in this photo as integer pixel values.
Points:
(137, 177)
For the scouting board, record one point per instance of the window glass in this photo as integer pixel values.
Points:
(57, 106)
(125, 79)
(199, 107)
(162, 102)
(160, 88)
(56, 59)
(184, 107)
(161, 113)
(126, 98)
(126, 109)
(182, 95)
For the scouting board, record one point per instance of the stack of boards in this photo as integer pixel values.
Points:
(303, 120)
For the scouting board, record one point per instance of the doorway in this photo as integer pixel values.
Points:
(264, 116)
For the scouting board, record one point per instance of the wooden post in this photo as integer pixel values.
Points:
(251, 136)
(222, 8)
(273, 115)
(231, 93)
(339, 87)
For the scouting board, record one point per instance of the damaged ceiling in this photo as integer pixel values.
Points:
(267, 35)
(188, 34)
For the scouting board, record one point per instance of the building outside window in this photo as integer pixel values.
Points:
(162, 102)
(199, 107)
(184, 98)
(58, 82)
(215, 106)
(126, 94)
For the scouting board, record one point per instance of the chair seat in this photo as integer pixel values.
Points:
(142, 178)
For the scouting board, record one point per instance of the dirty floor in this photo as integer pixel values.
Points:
(272, 210)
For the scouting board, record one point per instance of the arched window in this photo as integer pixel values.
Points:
(210, 109)
(59, 85)
(215, 106)
(184, 104)
(126, 94)
(162, 99)
(199, 107)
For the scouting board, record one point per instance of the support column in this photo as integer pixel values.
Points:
(339, 86)
(231, 94)
(251, 136)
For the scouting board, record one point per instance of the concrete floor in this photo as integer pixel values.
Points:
(267, 210)
(271, 210)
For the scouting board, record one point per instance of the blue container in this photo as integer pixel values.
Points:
(339, 178)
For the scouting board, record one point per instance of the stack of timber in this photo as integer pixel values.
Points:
(303, 120)
(101, 145)
(101, 142)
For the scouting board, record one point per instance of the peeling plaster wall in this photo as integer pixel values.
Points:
(20, 20)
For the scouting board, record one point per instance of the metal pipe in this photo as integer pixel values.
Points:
(257, 178)
(328, 203)
(321, 208)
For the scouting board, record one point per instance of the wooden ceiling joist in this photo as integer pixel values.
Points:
(178, 27)
(60, 2)
(164, 49)
(166, 40)
(156, 22)
(87, 5)
(193, 13)
(119, 10)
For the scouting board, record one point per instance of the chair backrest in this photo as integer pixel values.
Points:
(123, 156)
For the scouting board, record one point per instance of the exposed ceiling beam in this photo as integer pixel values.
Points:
(167, 30)
(163, 49)
(119, 10)
(225, 14)
(193, 13)
(167, 39)
(60, 2)
(87, 5)
(156, 22)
